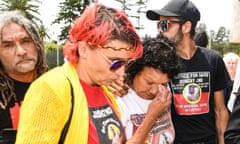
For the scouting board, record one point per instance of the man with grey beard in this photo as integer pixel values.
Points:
(22, 60)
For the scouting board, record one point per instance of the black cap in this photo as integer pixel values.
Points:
(177, 8)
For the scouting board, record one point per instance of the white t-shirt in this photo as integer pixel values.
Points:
(134, 109)
(236, 85)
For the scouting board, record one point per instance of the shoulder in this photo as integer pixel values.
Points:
(53, 81)
(211, 55)
(54, 76)
(209, 52)
(51, 88)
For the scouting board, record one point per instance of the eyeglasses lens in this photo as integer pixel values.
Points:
(116, 64)
(163, 25)
(130, 63)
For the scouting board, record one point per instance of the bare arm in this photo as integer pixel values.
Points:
(157, 106)
(221, 115)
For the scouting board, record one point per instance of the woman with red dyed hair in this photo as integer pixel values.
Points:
(70, 104)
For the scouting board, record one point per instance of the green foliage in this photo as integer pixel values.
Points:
(219, 48)
(221, 36)
(219, 41)
(28, 7)
(233, 47)
(134, 9)
(54, 55)
(30, 10)
(69, 10)
(225, 48)
(43, 32)
(52, 46)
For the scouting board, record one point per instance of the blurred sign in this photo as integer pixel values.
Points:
(235, 22)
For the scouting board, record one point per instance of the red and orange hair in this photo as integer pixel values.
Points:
(98, 24)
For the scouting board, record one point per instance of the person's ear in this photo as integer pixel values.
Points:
(186, 27)
(82, 49)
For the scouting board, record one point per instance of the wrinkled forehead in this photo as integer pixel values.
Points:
(12, 31)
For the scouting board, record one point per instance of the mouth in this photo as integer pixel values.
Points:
(24, 61)
(150, 97)
(146, 96)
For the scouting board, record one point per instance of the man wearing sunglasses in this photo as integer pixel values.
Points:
(202, 121)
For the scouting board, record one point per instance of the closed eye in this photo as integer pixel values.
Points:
(26, 40)
(7, 44)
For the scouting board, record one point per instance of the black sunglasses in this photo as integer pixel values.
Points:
(164, 24)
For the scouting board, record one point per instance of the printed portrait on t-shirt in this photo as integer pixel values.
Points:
(114, 134)
(191, 93)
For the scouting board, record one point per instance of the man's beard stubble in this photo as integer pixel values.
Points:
(178, 37)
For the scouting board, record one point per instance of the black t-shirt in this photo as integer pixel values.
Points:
(193, 102)
(20, 89)
(232, 133)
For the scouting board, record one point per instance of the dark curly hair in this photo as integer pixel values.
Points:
(159, 53)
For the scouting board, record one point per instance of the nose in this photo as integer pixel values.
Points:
(160, 30)
(121, 71)
(20, 50)
(154, 89)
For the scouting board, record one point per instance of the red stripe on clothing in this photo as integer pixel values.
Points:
(14, 111)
